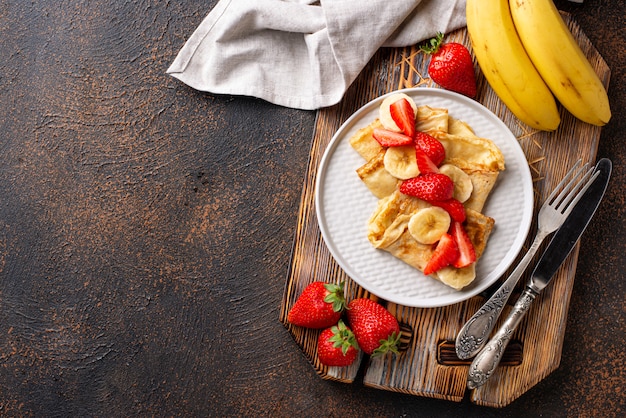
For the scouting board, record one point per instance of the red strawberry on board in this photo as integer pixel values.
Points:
(403, 115)
(431, 146)
(337, 346)
(446, 252)
(387, 138)
(467, 254)
(376, 330)
(455, 209)
(429, 187)
(424, 163)
(319, 306)
(451, 66)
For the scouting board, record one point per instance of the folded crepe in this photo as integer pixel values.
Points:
(478, 157)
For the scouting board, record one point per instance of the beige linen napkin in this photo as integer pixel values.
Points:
(302, 54)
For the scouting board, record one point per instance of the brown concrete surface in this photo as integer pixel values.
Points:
(146, 229)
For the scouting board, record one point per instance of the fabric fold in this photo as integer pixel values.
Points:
(302, 54)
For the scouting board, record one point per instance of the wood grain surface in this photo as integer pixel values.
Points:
(418, 370)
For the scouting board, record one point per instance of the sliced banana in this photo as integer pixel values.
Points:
(457, 278)
(401, 162)
(463, 186)
(385, 114)
(427, 225)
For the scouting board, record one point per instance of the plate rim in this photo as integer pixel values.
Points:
(527, 212)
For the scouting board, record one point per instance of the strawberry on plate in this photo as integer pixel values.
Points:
(467, 254)
(431, 146)
(319, 306)
(403, 115)
(424, 163)
(376, 330)
(455, 209)
(337, 346)
(451, 66)
(446, 252)
(429, 187)
(387, 138)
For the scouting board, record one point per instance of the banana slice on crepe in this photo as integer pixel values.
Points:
(457, 278)
(401, 162)
(463, 186)
(427, 225)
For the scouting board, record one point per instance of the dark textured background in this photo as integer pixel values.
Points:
(146, 230)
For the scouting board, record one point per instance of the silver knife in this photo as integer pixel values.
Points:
(557, 251)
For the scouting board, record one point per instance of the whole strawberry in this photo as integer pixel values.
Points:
(430, 187)
(376, 330)
(451, 66)
(319, 306)
(337, 346)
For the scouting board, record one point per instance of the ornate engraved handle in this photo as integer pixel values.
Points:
(475, 333)
(489, 357)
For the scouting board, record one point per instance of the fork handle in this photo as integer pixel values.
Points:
(475, 333)
(489, 357)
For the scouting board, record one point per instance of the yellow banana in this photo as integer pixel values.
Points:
(507, 67)
(560, 61)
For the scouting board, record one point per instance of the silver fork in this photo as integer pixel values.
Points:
(475, 333)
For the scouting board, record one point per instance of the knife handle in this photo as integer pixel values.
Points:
(489, 357)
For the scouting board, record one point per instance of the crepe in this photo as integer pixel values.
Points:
(478, 157)
(376, 178)
(364, 143)
(388, 230)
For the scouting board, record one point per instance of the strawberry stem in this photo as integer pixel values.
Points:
(343, 337)
(388, 345)
(432, 45)
(335, 296)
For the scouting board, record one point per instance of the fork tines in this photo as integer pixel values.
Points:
(572, 187)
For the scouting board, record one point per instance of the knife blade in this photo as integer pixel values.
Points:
(557, 251)
(566, 237)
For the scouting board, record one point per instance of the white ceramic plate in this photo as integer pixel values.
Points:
(344, 205)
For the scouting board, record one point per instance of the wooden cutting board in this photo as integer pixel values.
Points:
(428, 365)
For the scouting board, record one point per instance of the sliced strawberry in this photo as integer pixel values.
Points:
(467, 254)
(387, 138)
(446, 252)
(424, 163)
(455, 209)
(429, 187)
(431, 146)
(403, 115)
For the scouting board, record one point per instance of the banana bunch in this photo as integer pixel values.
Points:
(560, 61)
(527, 68)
